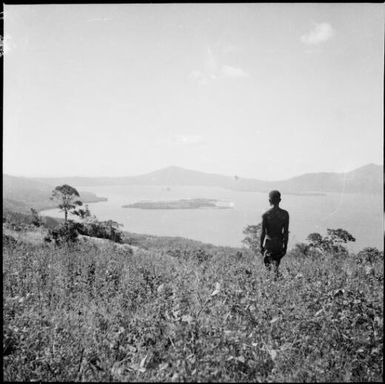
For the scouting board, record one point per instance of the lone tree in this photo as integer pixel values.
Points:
(66, 195)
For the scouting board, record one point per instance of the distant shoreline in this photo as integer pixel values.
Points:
(85, 201)
(305, 193)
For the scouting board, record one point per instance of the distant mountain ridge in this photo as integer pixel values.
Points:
(366, 179)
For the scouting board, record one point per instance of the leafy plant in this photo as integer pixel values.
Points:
(108, 229)
(370, 255)
(339, 236)
(68, 233)
(36, 219)
(302, 249)
(253, 235)
(332, 242)
(83, 214)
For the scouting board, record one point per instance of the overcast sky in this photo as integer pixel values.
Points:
(268, 91)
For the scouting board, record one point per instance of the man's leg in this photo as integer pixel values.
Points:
(268, 260)
(276, 262)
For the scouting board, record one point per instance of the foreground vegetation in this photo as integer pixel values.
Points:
(171, 309)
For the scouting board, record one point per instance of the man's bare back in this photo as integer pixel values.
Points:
(275, 231)
(275, 222)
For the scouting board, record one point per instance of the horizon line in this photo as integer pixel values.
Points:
(189, 169)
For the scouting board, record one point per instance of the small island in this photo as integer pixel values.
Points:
(181, 204)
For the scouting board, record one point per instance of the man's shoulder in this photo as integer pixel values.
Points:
(272, 212)
(284, 214)
(267, 213)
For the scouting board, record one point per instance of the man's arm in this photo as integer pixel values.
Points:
(263, 234)
(285, 234)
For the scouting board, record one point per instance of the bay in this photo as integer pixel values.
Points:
(360, 214)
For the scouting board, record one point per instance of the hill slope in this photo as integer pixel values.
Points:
(367, 179)
(21, 193)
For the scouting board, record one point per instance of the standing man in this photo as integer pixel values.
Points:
(275, 230)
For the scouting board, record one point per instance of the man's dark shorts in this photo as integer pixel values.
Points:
(271, 258)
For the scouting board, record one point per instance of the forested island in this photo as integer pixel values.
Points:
(181, 204)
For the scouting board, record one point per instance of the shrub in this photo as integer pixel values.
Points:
(82, 213)
(65, 233)
(332, 243)
(102, 229)
(253, 235)
(301, 249)
(9, 241)
(36, 219)
(315, 240)
(369, 255)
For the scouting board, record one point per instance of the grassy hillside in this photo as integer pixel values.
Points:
(170, 309)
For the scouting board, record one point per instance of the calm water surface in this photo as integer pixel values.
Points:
(361, 215)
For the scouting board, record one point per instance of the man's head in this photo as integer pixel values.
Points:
(274, 197)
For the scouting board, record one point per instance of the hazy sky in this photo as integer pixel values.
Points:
(257, 90)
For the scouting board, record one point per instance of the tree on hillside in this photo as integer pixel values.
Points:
(314, 239)
(253, 235)
(332, 242)
(339, 235)
(66, 196)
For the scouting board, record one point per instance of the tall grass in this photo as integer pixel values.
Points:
(101, 313)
